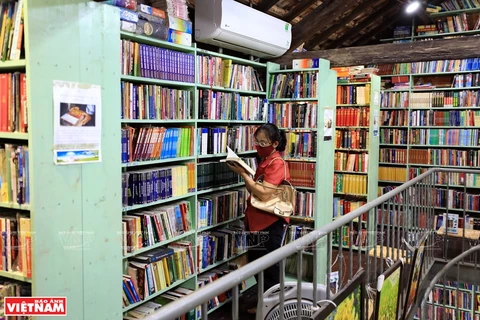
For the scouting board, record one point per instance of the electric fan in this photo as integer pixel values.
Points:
(270, 310)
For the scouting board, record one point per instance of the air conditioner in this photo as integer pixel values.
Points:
(232, 25)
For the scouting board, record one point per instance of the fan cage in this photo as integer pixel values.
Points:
(290, 310)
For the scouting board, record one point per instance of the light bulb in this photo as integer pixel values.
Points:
(413, 6)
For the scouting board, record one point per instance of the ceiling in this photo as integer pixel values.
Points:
(330, 24)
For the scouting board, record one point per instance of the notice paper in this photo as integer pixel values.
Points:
(77, 122)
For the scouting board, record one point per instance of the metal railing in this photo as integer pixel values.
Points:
(370, 237)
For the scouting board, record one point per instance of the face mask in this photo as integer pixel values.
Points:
(264, 151)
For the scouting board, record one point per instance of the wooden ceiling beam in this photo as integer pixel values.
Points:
(299, 9)
(373, 17)
(318, 19)
(440, 49)
(372, 33)
(324, 35)
(265, 5)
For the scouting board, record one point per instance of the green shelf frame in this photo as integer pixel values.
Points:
(156, 162)
(14, 135)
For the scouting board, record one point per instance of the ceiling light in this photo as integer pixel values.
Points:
(413, 6)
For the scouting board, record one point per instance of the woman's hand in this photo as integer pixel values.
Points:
(236, 168)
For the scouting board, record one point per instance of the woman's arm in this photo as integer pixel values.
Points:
(259, 191)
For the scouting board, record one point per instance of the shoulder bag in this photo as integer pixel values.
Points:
(282, 201)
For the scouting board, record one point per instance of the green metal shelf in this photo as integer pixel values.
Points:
(230, 186)
(351, 172)
(155, 42)
(157, 245)
(445, 108)
(158, 293)
(247, 62)
(153, 162)
(14, 135)
(241, 92)
(219, 263)
(158, 81)
(251, 122)
(453, 12)
(442, 146)
(13, 64)
(218, 155)
(162, 121)
(199, 230)
(15, 206)
(352, 83)
(293, 70)
(352, 105)
(155, 203)
(291, 99)
(445, 89)
(393, 164)
(15, 276)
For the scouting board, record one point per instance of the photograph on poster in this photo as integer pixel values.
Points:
(77, 115)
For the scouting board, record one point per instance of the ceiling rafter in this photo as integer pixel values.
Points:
(299, 9)
(265, 5)
(324, 35)
(373, 17)
(318, 19)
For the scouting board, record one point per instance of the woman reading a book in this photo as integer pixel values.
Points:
(265, 230)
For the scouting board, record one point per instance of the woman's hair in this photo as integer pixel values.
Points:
(274, 135)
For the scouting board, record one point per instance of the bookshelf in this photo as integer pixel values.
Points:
(427, 115)
(72, 242)
(356, 150)
(216, 112)
(303, 114)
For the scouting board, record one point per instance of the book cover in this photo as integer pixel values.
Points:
(232, 157)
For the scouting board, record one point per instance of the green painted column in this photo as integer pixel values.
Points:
(75, 209)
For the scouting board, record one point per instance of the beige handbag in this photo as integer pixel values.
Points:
(282, 201)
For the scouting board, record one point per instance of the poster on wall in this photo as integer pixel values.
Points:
(328, 124)
(376, 118)
(77, 131)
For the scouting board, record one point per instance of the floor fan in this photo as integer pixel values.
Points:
(270, 310)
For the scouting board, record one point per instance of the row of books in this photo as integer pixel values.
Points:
(13, 102)
(219, 245)
(353, 94)
(450, 178)
(156, 270)
(350, 237)
(16, 244)
(301, 144)
(445, 118)
(353, 184)
(218, 174)
(453, 199)
(293, 115)
(295, 85)
(452, 5)
(352, 117)
(213, 140)
(11, 40)
(220, 207)
(152, 102)
(215, 71)
(155, 184)
(444, 99)
(215, 105)
(391, 217)
(295, 232)
(14, 174)
(155, 143)
(394, 118)
(435, 66)
(351, 139)
(302, 174)
(142, 60)
(342, 207)
(445, 137)
(305, 204)
(352, 162)
(142, 229)
(451, 298)
(10, 288)
(440, 313)
(392, 174)
(393, 136)
(154, 22)
(438, 157)
(394, 99)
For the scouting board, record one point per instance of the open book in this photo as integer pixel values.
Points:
(232, 157)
